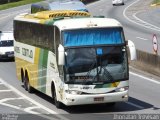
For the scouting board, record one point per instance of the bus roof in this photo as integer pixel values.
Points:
(86, 23)
(43, 16)
(57, 18)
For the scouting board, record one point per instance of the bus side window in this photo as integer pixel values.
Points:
(56, 40)
(51, 38)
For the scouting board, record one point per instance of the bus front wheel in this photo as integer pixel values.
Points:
(54, 96)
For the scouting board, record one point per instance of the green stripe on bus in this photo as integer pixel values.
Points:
(42, 70)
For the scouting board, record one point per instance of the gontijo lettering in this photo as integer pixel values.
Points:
(26, 52)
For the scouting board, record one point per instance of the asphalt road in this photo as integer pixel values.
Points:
(144, 88)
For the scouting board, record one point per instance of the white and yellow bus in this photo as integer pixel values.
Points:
(74, 58)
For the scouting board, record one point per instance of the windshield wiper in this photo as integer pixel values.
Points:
(107, 74)
(88, 73)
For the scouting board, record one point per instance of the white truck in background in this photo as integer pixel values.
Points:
(6, 45)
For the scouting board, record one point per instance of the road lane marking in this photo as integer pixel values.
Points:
(11, 106)
(146, 78)
(31, 112)
(1, 83)
(135, 105)
(5, 91)
(142, 38)
(124, 14)
(33, 101)
(146, 24)
(28, 109)
(8, 99)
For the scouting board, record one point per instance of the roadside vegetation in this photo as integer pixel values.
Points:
(15, 4)
(156, 2)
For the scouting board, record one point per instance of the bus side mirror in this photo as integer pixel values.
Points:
(61, 55)
(132, 50)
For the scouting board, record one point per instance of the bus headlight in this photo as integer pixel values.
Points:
(122, 89)
(73, 92)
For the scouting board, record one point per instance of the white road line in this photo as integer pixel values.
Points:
(135, 105)
(124, 14)
(33, 101)
(5, 91)
(28, 109)
(1, 83)
(142, 38)
(11, 106)
(146, 23)
(8, 99)
(146, 78)
(18, 108)
(31, 112)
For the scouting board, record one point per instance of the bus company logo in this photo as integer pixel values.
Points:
(86, 87)
(26, 52)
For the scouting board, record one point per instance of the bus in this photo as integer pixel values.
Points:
(6, 45)
(72, 57)
(58, 5)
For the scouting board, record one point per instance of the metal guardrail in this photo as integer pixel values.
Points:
(147, 62)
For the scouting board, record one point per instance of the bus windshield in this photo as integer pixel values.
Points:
(90, 65)
(6, 43)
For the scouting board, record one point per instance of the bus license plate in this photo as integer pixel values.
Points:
(99, 99)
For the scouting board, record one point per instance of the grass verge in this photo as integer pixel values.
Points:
(15, 4)
(156, 2)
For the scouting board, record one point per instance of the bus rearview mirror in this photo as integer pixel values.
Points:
(132, 50)
(61, 55)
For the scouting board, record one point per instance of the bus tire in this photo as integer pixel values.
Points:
(22, 75)
(54, 96)
(27, 84)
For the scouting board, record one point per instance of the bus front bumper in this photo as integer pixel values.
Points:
(96, 98)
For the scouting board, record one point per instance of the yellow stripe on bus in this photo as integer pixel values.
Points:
(36, 62)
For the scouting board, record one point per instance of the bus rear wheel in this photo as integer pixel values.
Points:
(27, 86)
